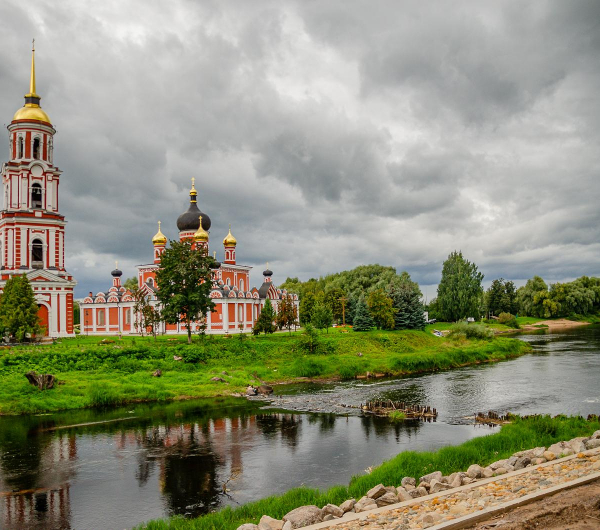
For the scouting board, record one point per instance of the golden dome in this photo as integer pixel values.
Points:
(159, 238)
(32, 110)
(201, 235)
(229, 240)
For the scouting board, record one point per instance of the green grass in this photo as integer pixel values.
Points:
(523, 434)
(397, 415)
(96, 374)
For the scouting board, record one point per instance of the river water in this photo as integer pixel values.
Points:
(118, 468)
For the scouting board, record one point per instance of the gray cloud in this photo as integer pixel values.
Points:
(330, 134)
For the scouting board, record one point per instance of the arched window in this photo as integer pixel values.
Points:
(228, 281)
(37, 254)
(20, 147)
(151, 282)
(36, 148)
(101, 317)
(240, 314)
(127, 316)
(241, 285)
(36, 196)
(50, 150)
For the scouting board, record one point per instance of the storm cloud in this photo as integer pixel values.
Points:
(329, 134)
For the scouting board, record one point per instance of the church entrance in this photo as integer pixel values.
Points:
(44, 318)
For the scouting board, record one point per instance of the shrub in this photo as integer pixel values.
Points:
(397, 415)
(471, 331)
(349, 370)
(508, 320)
(306, 367)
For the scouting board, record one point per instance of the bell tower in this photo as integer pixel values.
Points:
(32, 230)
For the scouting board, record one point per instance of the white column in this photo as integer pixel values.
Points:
(52, 247)
(54, 309)
(63, 313)
(60, 250)
(94, 318)
(24, 247)
(10, 248)
(49, 195)
(225, 315)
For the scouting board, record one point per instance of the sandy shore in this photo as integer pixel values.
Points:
(558, 324)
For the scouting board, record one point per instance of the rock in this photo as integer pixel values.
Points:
(488, 472)
(437, 475)
(424, 485)
(511, 461)
(328, 517)
(217, 379)
(459, 509)
(265, 390)
(177, 358)
(268, 523)
(522, 462)
(359, 354)
(499, 463)
(403, 495)
(596, 435)
(332, 509)
(538, 461)
(376, 492)
(592, 444)
(42, 381)
(561, 449)
(431, 518)
(452, 477)
(578, 444)
(157, 373)
(248, 526)
(390, 489)
(596, 465)
(303, 516)
(287, 526)
(501, 471)
(387, 499)
(475, 471)
(365, 504)
(418, 492)
(467, 480)
(549, 455)
(409, 487)
(224, 372)
(536, 452)
(348, 506)
(250, 391)
(436, 486)
(457, 482)
(408, 480)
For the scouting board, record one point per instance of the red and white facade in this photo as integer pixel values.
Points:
(237, 305)
(32, 230)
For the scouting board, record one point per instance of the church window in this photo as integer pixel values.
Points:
(127, 316)
(240, 314)
(151, 282)
(101, 317)
(36, 148)
(20, 147)
(228, 282)
(241, 285)
(37, 254)
(36, 196)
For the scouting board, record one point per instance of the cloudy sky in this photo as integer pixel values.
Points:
(329, 134)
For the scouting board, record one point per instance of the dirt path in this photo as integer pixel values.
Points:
(555, 325)
(574, 509)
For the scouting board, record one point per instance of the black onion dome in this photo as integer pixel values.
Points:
(117, 273)
(190, 220)
(268, 272)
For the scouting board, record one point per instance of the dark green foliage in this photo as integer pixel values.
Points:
(382, 309)
(308, 342)
(362, 318)
(459, 291)
(508, 320)
(333, 301)
(307, 304)
(264, 322)
(501, 297)
(18, 309)
(287, 314)
(184, 282)
(322, 317)
(471, 331)
(406, 298)
(131, 283)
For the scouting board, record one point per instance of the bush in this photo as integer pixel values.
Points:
(471, 331)
(508, 320)
(397, 415)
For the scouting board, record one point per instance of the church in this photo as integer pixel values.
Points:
(237, 306)
(32, 230)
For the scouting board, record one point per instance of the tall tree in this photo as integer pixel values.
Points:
(264, 322)
(459, 291)
(131, 283)
(147, 317)
(322, 317)
(184, 282)
(382, 309)
(18, 309)
(406, 298)
(363, 321)
(531, 297)
(307, 304)
(501, 297)
(333, 300)
(287, 313)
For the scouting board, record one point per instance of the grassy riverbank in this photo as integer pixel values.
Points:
(523, 434)
(114, 372)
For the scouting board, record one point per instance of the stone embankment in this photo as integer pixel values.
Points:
(438, 500)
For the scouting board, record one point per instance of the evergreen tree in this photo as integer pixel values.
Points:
(264, 322)
(18, 309)
(362, 318)
(459, 291)
(307, 303)
(322, 317)
(407, 302)
(184, 282)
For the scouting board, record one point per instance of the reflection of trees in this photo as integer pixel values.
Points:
(382, 427)
(290, 427)
(327, 422)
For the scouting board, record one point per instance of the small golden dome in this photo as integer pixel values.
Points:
(32, 113)
(159, 238)
(201, 235)
(229, 240)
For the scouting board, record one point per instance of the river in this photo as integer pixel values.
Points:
(118, 468)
